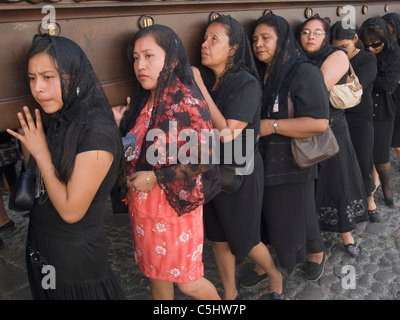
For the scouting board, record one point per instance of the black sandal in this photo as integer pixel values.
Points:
(352, 249)
(374, 216)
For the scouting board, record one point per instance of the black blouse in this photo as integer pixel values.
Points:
(45, 217)
(365, 67)
(310, 99)
(242, 102)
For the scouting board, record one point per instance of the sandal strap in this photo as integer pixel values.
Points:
(350, 245)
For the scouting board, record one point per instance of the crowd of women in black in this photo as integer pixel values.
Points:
(245, 85)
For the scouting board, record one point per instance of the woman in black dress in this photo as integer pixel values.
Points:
(392, 20)
(78, 151)
(376, 37)
(288, 204)
(232, 91)
(360, 117)
(340, 195)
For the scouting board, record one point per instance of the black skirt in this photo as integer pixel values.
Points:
(340, 194)
(362, 136)
(383, 132)
(291, 223)
(79, 268)
(235, 217)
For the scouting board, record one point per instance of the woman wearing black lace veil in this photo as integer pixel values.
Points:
(167, 189)
(288, 205)
(340, 194)
(392, 20)
(79, 159)
(375, 35)
(232, 91)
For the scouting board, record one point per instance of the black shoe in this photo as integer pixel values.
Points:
(389, 202)
(9, 225)
(251, 279)
(352, 249)
(374, 216)
(279, 296)
(1, 243)
(314, 270)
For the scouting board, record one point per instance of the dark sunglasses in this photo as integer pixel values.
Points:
(373, 45)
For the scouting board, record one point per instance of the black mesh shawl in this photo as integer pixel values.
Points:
(326, 49)
(287, 57)
(241, 60)
(177, 98)
(388, 59)
(85, 105)
(394, 19)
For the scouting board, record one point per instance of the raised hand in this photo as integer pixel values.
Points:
(33, 137)
(120, 110)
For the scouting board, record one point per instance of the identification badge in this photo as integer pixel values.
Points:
(276, 104)
(129, 143)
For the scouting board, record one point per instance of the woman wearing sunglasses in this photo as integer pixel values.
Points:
(376, 37)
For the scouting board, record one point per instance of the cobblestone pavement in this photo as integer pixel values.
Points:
(376, 270)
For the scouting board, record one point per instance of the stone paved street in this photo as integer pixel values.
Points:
(377, 270)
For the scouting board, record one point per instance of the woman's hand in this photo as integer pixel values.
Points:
(142, 181)
(120, 110)
(33, 137)
(198, 78)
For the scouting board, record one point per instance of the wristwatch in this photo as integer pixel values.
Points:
(275, 126)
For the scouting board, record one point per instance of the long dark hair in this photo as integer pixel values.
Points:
(288, 55)
(242, 59)
(177, 98)
(166, 38)
(338, 32)
(388, 58)
(85, 106)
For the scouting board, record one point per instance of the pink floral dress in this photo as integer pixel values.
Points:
(167, 246)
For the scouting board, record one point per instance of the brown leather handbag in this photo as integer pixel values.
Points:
(309, 151)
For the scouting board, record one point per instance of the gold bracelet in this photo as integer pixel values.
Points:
(41, 180)
(46, 171)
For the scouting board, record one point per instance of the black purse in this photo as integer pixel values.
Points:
(232, 177)
(231, 180)
(22, 195)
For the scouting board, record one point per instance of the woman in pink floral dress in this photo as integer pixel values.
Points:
(168, 116)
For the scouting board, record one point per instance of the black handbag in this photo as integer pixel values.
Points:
(231, 180)
(232, 177)
(22, 195)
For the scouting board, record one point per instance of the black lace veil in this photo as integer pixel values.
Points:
(175, 84)
(85, 105)
(241, 60)
(326, 49)
(394, 19)
(388, 59)
(287, 56)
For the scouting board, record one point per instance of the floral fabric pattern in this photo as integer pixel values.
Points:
(167, 246)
